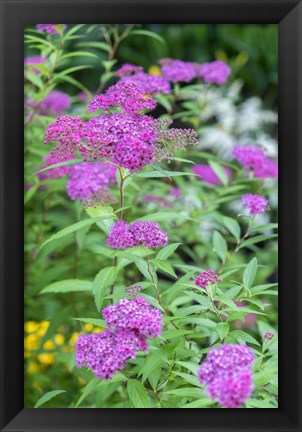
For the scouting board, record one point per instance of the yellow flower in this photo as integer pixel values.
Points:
(49, 345)
(59, 339)
(31, 342)
(31, 326)
(154, 70)
(98, 330)
(73, 338)
(46, 358)
(88, 327)
(33, 367)
(43, 327)
(146, 96)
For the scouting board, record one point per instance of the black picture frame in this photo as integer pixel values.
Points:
(16, 13)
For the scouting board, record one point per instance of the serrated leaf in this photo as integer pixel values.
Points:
(68, 285)
(101, 282)
(250, 273)
(220, 245)
(138, 394)
(47, 397)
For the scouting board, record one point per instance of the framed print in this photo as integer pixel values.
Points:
(145, 170)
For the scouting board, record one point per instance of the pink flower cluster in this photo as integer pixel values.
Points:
(216, 72)
(207, 277)
(134, 315)
(208, 175)
(268, 335)
(128, 69)
(227, 373)
(88, 179)
(55, 103)
(139, 233)
(35, 61)
(254, 159)
(255, 203)
(128, 96)
(49, 28)
(130, 323)
(178, 70)
(133, 290)
(54, 157)
(150, 84)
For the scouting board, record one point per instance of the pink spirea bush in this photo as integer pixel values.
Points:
(107, 352)
(227, 373)
(255, 203)
(208, 175)
(216, 72)
(139, 233)
(207, 277)
(135, 315)
(178, 71)
(87, 179)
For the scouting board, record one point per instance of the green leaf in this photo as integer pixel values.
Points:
(151, 174)
(257, 239)
(200, 403)
(242, 337)
(165, 267)
(191, 392)
(95, 321)
(99, 45)
(265, 227)
(87, 390)
(72, 228)
(233, 226)
(167, 251)
(153, 362)
(137, 394)
(141, 32)
(101, 282)
(162, 171)
(68, 285)
(47, 397)
(220, 245)
(264, 377)
(250, 273)
(79, 54)
(34, 79)
(60, 164)
(256, 403)
(171, 334)
(220, 172)
(223, 329)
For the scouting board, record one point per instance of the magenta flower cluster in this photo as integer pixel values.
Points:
(208, 175)
(133, 290)
(150, 84)
(207, 277)
(178, 70)
(139, 233)
(253, 158)
(130, 323)
(227, 373)
(255, 203)
(216, 72)
(129, 139)
(55, 103)
(128, 69)
(126, 95)
(88, 179)
(51, 159)
(49, 28)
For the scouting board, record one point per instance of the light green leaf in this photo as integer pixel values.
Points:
(95, 321)
(165, 267)
(220, 172)
(223, 329)
(220, 245)
(87, 390)
(167, 251)
(201, 403)
(47, 397)
(233, 226)
(141, 32)
(101, 282)
(72, 228)
(68, 285)
(138, 394)
(265, 227)
(99, 45)
(250, 273)
(154, 174)
(257, 239)
(171, 334)
(153, 362)
(191, 392)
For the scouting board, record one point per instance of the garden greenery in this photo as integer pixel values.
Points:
(150, 253)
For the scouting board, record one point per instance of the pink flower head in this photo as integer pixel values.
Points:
(255, 203)
(150, 84)
(208, 175)
(207, 277)
(175, 192)
(120, 236)
(128, 69)
(54, 157)
(88, 179)
(251, 157)
(107, 352)
(134, 315)
(268, 168)
(55, 103)
(227, 373)
(178, 71)
(268, 335)
(31, 61)
(49, 28)
(216, 72)
(133, 290)
(126, 95)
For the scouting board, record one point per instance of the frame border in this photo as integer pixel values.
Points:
(14, 14)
